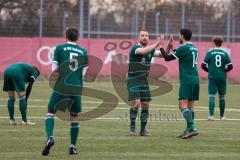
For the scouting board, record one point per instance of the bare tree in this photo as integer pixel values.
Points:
(21, 17)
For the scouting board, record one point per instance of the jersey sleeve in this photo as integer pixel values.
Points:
(56, 55)
(155, 53)
(206, 58)
(34, 74)
(180, 52)
(133, 49)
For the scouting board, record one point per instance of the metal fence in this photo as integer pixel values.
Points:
(49, 18)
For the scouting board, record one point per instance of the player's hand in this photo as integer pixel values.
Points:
(170, 42)
(171, 39)
(161, 40)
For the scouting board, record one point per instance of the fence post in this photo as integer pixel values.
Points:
(98, 25)
(41, 18)
(157, 24)
(183, 15)
(229, 20)
(166, 26)
(65, 17)
(136, 22)
(89, 19)
(81, 16)
(233, 28)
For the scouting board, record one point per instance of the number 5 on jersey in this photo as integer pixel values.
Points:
(74, 63)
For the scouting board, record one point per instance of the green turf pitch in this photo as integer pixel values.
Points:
(107, 138)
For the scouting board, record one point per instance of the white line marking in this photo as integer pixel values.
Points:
(151, 109)
(112, 118)
(121, 103)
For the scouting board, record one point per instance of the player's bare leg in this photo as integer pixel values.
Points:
(144, 118)
(133, 115)
(74, 133)
(10, 105)
(23, 108)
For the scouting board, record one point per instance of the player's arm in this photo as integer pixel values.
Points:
(204, 66)
(229, 67)
(55, 67)
(167, 57)
(170, 45)
(229, 64)
(169, 48)
(31, 80)
(55, 70)
(85, 64)
(158, 53)
(55, 63)
(147, 49)
(206, 61)
(165, 54)
(29, 87)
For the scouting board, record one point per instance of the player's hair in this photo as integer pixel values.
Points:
(38, 72)
(217, 41)
(186, 33)
(143, 29)
(72, 34)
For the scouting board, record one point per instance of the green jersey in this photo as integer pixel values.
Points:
(217, 59)
(139, 65)
(22, 70)
(187, 54)
(71, 60)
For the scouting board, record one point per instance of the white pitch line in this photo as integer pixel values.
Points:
(121, 103)
(152, 109)
(100, 102)
(112, 118)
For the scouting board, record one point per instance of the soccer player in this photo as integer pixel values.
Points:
(217, 63)
(15, 78)
(187, 55)
(138, 89)
(68, 87)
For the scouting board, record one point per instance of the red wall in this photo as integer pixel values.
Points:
(27, 50)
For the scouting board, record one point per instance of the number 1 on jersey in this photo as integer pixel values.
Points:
(195, 59)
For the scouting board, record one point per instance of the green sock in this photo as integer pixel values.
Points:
(49, 125)
(211, 105)
(133, 116)
(193, 127)
(188, 117)
(23, 108)
(144, 118)
(222, 106)
(10, 106)
(74, 132)
(193, 114)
